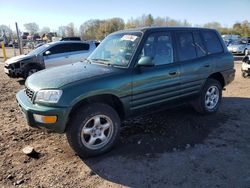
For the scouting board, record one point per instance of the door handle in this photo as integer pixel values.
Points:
(207, 65)
(173, 73)
(66, 56)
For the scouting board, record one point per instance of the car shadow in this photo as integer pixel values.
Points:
(144, 139)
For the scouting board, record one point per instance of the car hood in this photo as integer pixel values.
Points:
(59, 76)
(17, 58)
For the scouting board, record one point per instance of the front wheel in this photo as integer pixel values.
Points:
(244, 74)
(93, 130)
(30, 70)
(210, 97)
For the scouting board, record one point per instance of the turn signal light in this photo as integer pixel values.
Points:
(45, 119)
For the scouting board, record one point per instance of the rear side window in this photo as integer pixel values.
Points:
(185, 46)
(60, 48)
(212, 42)
(69, 47)
(200, 48)
(79, 46)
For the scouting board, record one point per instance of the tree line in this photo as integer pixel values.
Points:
(97, 29)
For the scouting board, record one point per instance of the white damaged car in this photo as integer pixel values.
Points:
(245, 67)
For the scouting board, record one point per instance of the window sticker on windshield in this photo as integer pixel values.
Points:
(129, 37)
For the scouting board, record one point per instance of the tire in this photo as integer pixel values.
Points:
(30, 70)
(84, 127)
(244, 74)
(208, 104)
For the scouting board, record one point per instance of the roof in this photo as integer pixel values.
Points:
(65, 42)
(144, 29)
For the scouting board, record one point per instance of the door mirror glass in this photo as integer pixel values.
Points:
(146, 61)
(47, 53)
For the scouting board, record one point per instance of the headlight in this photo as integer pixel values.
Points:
(49, 96)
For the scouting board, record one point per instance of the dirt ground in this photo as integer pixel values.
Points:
(174, 148)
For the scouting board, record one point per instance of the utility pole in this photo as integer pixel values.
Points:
(20, 45)
(105, 28)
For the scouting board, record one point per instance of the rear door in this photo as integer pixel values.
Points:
(80, 51)
(195, 66)
(160, 83)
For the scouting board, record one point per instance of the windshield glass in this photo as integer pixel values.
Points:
(238, 42)
(116, 49)
(38, 50)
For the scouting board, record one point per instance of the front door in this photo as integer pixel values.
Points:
(160, 83)
(59, 55)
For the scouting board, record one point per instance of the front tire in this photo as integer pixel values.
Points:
(30, 70)
(210, 97)
(244, 74)
(93, 130)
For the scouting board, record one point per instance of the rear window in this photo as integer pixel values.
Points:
(212, 42)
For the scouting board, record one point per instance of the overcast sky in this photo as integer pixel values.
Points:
(54, 13)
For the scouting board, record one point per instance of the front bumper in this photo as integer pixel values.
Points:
(28, 109)
(13, 70)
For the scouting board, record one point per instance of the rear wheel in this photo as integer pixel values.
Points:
(93, 130)
(210, 97)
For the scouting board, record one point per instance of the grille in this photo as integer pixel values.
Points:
(29, 93)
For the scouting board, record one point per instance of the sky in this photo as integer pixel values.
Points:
(55, 13)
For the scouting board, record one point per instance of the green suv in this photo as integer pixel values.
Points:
(129, 73)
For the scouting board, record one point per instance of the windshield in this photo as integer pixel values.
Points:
(116, 49)
(38, 50)
(238, 42)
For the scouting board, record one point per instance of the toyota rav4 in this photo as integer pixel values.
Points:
(129, 73)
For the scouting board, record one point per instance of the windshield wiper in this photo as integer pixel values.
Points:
(88, 61)
(102, 61)
(99, 59)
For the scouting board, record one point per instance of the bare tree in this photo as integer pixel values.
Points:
(88, 29)
(5, 29)
(44, 30)
(62, 31)
(149, 20)
(213, 25)
(70, 30)
(31, 27)
(98, 29)
(6, 33)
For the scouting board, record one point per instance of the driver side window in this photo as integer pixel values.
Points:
(60, 48)
(158, 47)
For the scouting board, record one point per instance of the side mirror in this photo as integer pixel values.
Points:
(47, 53)
(145, 61)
